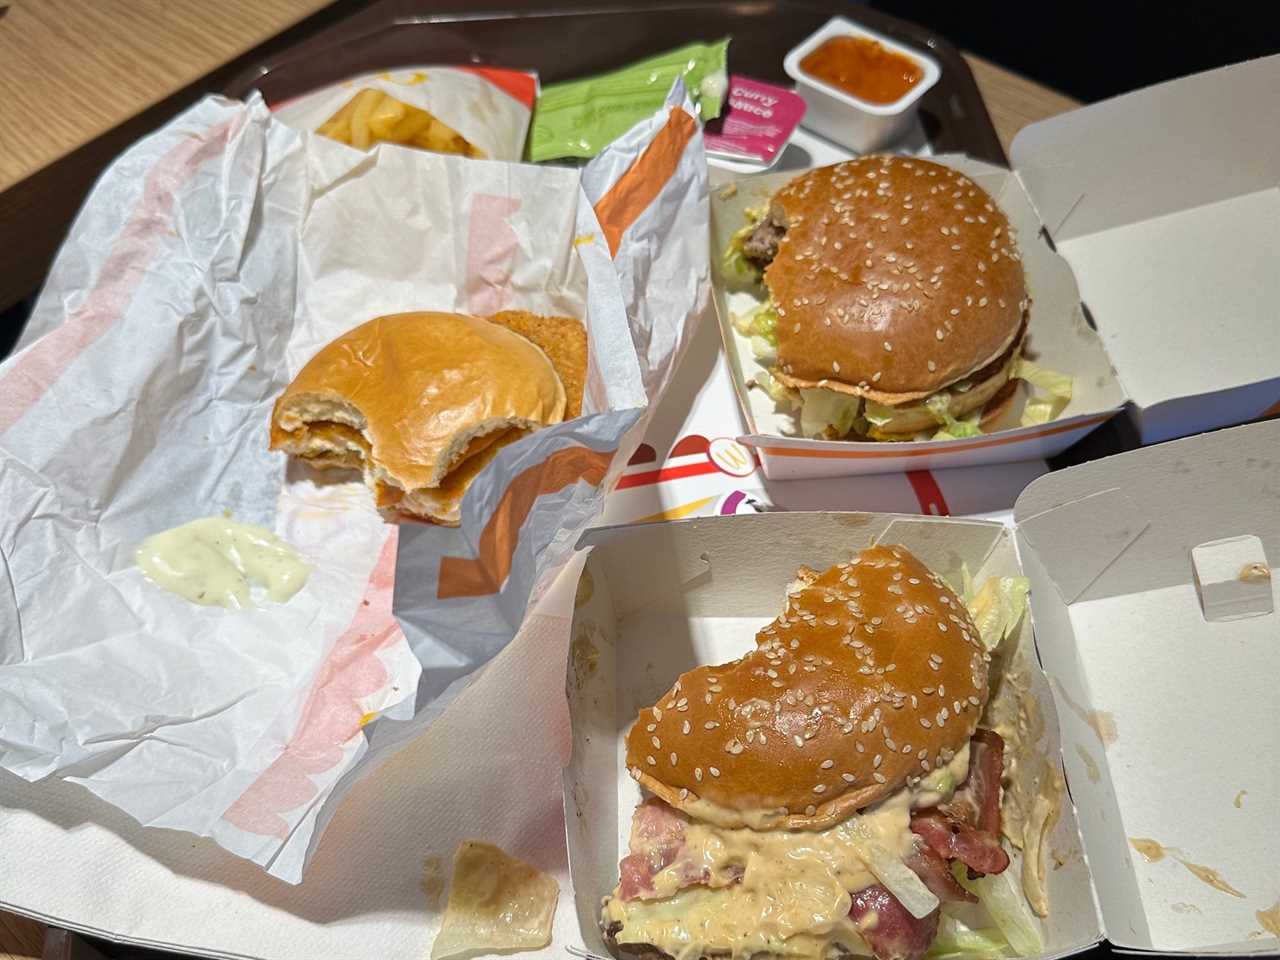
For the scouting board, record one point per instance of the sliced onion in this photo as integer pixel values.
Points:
(896, 876)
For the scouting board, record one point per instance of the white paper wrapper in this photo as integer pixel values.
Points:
(212, 260)
(490, 107)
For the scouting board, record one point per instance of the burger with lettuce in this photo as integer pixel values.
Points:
(897, 304)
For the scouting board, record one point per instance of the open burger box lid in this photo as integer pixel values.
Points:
(1164, 720)
(1153, 216)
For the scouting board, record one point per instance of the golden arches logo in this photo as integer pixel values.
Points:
(731, 457)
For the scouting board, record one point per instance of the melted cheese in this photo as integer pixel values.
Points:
(793, 899)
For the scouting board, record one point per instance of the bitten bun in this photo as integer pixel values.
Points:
(421, 402)
(873, 676)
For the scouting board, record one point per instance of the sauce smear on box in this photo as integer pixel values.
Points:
(863, 68)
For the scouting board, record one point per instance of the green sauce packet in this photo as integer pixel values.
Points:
(578, 118)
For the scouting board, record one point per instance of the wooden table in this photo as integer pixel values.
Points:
(193, 39)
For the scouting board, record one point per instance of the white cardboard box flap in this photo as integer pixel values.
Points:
(1059, 337)
(707, 586)
(1166, 203)
(1168, 720)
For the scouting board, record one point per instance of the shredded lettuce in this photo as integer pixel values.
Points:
(1050, 396)
(951, 428)
(735, 260)
(760, 322)
(784, 396)
(761, 326)
(878, 414)
(955, 941)
(826, 413)
(1002, 896)
(998, 607)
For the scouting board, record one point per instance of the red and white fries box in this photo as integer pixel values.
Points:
(1163, 720)
(1155, 218)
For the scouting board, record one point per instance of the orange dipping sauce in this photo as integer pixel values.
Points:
(863, 68)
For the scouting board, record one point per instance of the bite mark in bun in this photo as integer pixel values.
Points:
(873, 677)
(422, 402)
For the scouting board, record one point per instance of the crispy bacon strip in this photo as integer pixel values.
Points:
(967, 827)
(657, 842)
(890, 930)
(657, 834)
(935, 873)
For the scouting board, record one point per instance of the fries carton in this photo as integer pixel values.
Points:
(470, 111)
(210, 263)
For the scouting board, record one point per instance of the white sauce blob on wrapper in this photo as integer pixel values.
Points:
(214, 561)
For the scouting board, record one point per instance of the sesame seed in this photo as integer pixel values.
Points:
(650, 761)
(877, 761)
(714, 771)
(939, 334)
(684, 793)
(674, 758)
(652, 727)
(684, 728)
(942, 626)
(697, 774)
(878, 777)
(657, 714)
(820, 788)
(828, 764)
(924, 722)
(657, 744)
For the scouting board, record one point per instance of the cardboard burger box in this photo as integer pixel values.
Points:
(1153, 217)
(1159, 700)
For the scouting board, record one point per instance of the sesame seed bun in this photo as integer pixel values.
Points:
(873, 676)
(421, 402)
(896, 277)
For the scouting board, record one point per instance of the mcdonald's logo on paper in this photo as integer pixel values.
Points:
(731, 457)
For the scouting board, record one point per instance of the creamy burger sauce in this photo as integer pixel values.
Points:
(794, 896)
(212, 561)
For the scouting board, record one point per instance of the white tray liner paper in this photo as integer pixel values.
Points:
(209, 264)
(718, 581)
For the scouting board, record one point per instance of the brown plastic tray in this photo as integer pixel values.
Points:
(570, 39)
(574, 39)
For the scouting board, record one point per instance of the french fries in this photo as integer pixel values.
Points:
(372, 116)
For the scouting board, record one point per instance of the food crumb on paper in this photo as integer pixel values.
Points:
(586, 654)
(1090, 765)
(1255, 573)
(1182, 907)
(1211, 877)
(432, 880)
(586, 590)
(1238, 802)
(1154, 851)
(1102, 722)
(1270, 919)
(497, 904)
(728, 190)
